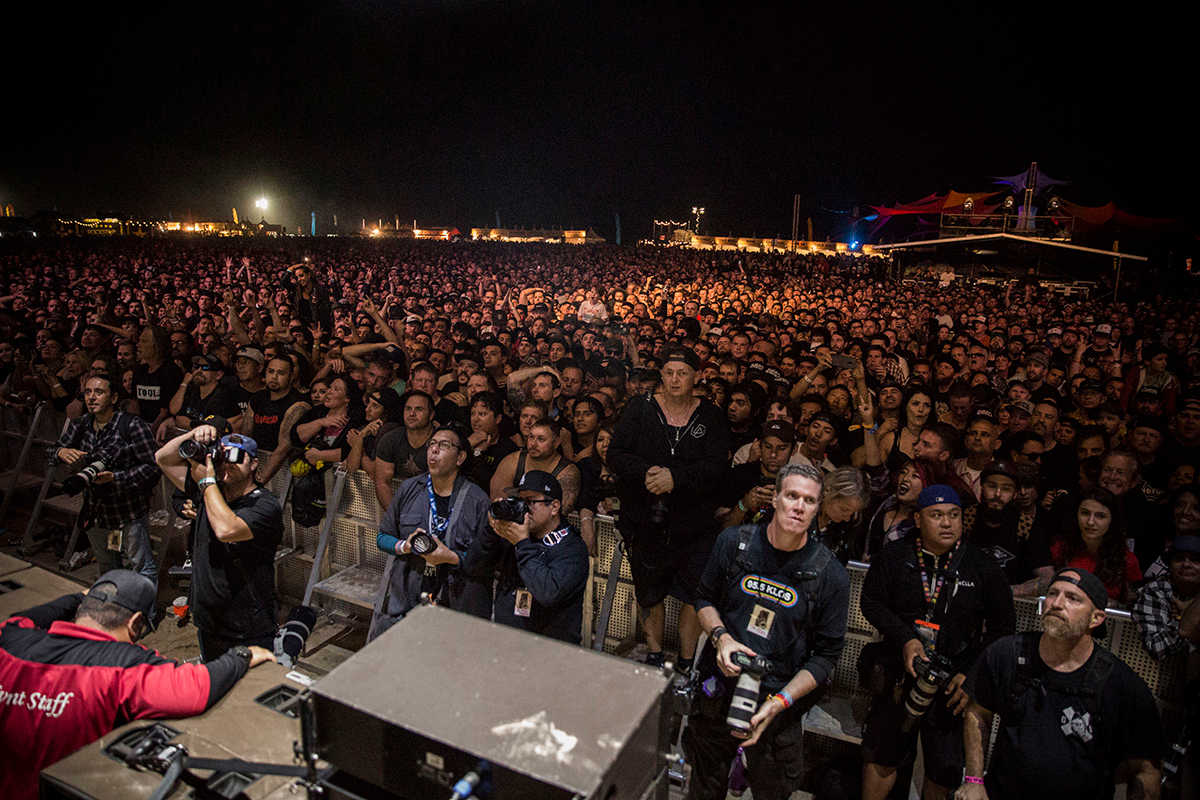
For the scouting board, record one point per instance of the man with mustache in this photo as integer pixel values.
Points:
(1072, 715)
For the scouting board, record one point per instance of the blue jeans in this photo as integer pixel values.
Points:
(135, 546)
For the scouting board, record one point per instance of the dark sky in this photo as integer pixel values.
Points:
(561, 114)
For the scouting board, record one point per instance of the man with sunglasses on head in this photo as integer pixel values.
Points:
(202, 393)
(239, 528)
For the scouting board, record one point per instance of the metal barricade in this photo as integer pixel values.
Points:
(17, 479)
(66, 507)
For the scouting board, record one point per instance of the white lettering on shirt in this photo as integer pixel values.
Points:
(52, 707)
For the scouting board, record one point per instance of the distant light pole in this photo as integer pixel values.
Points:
(698, 211)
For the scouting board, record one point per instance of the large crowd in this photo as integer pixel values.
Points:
(1067, 427)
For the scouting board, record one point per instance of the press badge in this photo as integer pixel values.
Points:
(928, 631)
(114, 540)
(761, 620)
(524, 603)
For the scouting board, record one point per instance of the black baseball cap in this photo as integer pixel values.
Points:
(1092, 586)
(1184, 544)
(781, 429)
(685, 354)
(127, 589)
(1002, 467)
(541, 482)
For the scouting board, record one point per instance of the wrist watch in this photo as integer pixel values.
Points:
(716, 635)
(244, 652)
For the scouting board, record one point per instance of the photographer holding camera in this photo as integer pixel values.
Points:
(239, 528)
(540, 560)
(774, 602)
(117, 449)
(430, 523)
(939, 602)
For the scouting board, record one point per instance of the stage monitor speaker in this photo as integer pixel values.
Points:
(443, 694)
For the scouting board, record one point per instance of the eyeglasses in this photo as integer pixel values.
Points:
(441, 444)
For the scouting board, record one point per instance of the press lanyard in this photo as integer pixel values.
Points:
(933, 586)
(437, 524)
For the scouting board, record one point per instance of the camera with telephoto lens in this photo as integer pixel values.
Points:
(191, 450)
(744, 705)
(82, 479)
(932, 677)
(422, 543)
(510, 509)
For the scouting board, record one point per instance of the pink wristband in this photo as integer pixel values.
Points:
(972, 779)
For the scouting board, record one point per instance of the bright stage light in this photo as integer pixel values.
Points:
(261, 203)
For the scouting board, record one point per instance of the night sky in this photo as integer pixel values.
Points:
(559, 115)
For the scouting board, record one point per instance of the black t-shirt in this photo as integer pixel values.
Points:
(736, 440)
(218, 402)
(154, 390)
(395, 449)
(241, 398)
(1050, 751)
(480, 468)
(268, 416)
(1017, 555)
(233, 583)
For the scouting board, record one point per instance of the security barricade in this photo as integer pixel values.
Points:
(23, 434)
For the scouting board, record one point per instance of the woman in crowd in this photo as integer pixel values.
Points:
(384, 413)
(892, 518)
(1181, 508)
(914, 413)
(843, 497)
(1094, 540)
(324, 431)
(598, 485)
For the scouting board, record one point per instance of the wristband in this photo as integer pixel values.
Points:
(972, 779)
(742, 506)
(784, 697)
(204, 483)
(716, 634)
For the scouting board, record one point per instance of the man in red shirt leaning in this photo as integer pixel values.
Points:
(64, 684)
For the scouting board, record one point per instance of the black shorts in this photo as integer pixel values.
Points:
(660, 568)
(883, 742)
(775, 764)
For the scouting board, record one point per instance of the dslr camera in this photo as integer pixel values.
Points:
(191, 450)
(82, 479)
(510, 509)
(932, 677)
(744, 704)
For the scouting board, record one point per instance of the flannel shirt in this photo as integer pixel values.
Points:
(1155, 617)
(131, 460)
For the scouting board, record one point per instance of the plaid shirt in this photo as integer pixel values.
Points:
(130, 459)
(1154, 614)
